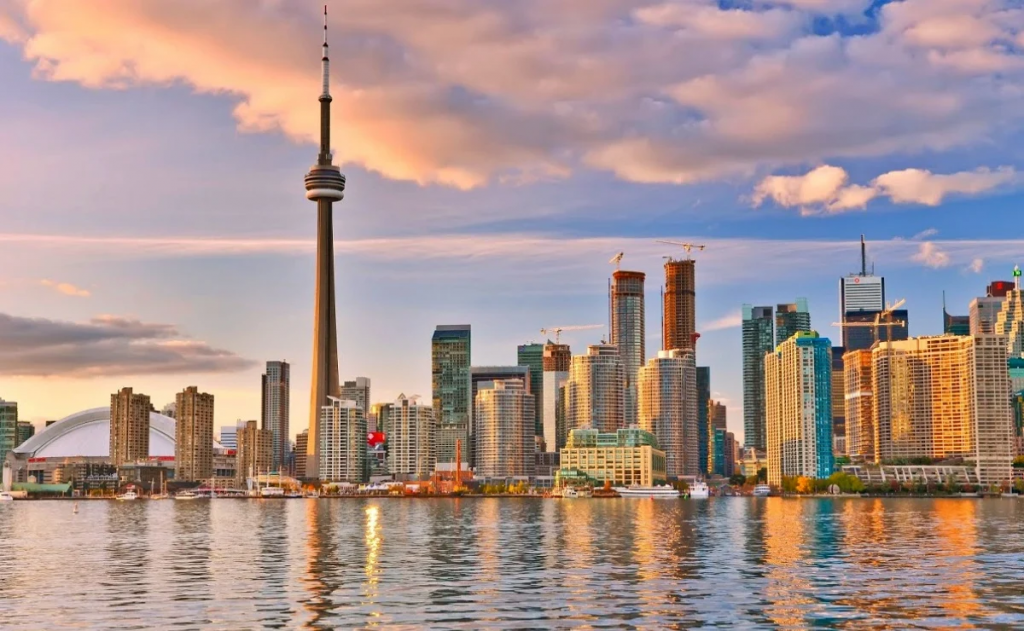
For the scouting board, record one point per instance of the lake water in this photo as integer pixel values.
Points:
(513, 563)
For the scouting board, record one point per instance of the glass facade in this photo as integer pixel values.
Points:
(703, 399)
(532, 355)
(757, 342)
(452, 390)
(625, 458)
(791, 318)
(8, 428)
(275, 414)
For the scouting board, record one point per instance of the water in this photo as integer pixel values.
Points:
(513, 563)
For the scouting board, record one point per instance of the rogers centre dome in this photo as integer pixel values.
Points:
(87, 433)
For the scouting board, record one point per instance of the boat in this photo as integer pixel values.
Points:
(572, 493)
(272, 491)
(6, 497)
(762, 490)
(665, 492)
(186, 495)
(699, 490)
(127, 496)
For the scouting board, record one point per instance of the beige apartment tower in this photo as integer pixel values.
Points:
(129, 427)
(255, 451)
(667, 408)
(503, 416)
(595, 390)
(859, 405)
(411, 429)
(193, 435)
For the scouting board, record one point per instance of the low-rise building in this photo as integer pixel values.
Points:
(625, 457)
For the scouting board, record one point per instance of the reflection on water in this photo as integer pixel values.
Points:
(513, 563)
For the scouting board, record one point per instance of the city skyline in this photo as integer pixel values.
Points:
(222, 231)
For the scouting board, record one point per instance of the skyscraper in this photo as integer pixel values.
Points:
(357, 390)
(129, 427)
(411, 432)
(556, 361)
(1010, 322)
(325, 185)
(757, 342)
(503, 416)
(26, 430)
(301, 447)
(954, 324)
(8, 428)
(627, 331)
(451, 383)
(838, 402)
(193, 435)
(703, 399)
(481, 374)
(275, 413)
(532, 355)
(798, 401)
(594, 392)
(255, 451)
(860, 413)
(667, 408)
(680, 302)
(342, 442)
(861, 297)
(791, 318)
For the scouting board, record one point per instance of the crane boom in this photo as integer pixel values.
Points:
(557, 330)
(686, 246)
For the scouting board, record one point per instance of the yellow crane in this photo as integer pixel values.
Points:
(617, 259)
(557, 330)
(886, 314)
(689, 247)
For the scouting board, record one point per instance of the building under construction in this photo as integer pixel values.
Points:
(679, 323)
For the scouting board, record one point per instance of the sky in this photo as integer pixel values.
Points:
(154, 231)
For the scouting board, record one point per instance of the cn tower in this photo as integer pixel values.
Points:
(324, 185)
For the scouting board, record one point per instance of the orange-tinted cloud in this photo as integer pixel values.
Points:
(65, 288)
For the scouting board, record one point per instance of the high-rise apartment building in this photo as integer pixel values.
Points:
(730, 455)
(791, 318)
(482, 374)
(838, 403)
(129, 427)
(626, 307)
(193, 435)
(798, 401)
(342, 439)
(8, 428)
(556, 361)
(411, 431)
(503, 416)
(667, 398)
(942, 397)
(859, 405)
(703, 418)
(451, 382)
(757, 342)
(255, 454)
(680, 304)
(276, 386)
(719, 415)
(357, 390)
(594, 391)
(301, 447)
(532, 355)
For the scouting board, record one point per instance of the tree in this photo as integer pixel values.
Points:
(738, 480)
(804, 485)
(789, 484)
(762, 475)
(1018, 462)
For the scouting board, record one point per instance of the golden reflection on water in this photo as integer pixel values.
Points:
(956, 533)
(645, 554)
(372, 539)
(788, 592)
(489, 547)
(578, 553)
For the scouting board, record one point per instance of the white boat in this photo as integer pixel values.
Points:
(186, 495)
(6, 497)
(762, 490)
(699, 491)
(665, 492)
(128, 496)
(572, 493)
(272, 491)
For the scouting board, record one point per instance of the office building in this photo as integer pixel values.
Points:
(411, 433)
(1010, 322)
(861, 298)
(718, 440)
(229, 435)
(718, 413)
(451, 382)
(1000, 288)
(276, 403)
(679, 323)
(954, 324)
(129, 427)
(625, 457)
(532, 355)
(482, 374)
(703, 419)
(838, 403)
(301, 447)
(503, 416)
(26, 430)
(8, 428)
(556, 361)
(594, 391)
(1018, 423)
(984, 311)
(791, 318)
(255, 455)
(667, 397)
(342, 439)
(324, 185)
(1016, 368)
(193, 435)
(798, 402)
(757, 342)
(357, 390)
(944, 397)
(859, 406)
(626, 307)
(731, 454)
(864, 337)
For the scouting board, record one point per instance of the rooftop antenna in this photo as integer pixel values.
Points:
(863, 257)
(1016, 277)
(617, 259)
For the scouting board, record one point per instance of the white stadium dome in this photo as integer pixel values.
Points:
(87, 433)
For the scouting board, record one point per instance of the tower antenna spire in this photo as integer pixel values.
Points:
(863, 253)
(325, 102)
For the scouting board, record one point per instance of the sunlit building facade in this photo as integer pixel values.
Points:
(532, 356)
(342, 436)
(859, 405)
(625, 457)
(8, 428)
(791, 318)
(193, 443)
(555, 364)
(798, 389)
(679, 321)
(1010, 322)
(255, 454)
(275, 414)
(667, 397)
(595, 390)
(627, 331)
(129, 427)
(504, 436)
(411, 431)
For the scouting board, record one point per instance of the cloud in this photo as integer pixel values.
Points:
(976, 265)
(930, 255)
(924, 234)
(463, 92)
(728, 321)
(105, 346)
(827, 188)
(65, 288)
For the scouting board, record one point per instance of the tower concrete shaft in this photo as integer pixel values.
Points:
(325, 185)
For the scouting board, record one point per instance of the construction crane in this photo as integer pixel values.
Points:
(886, 314)
(617, 259)
(557, 330)
(686, 246)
